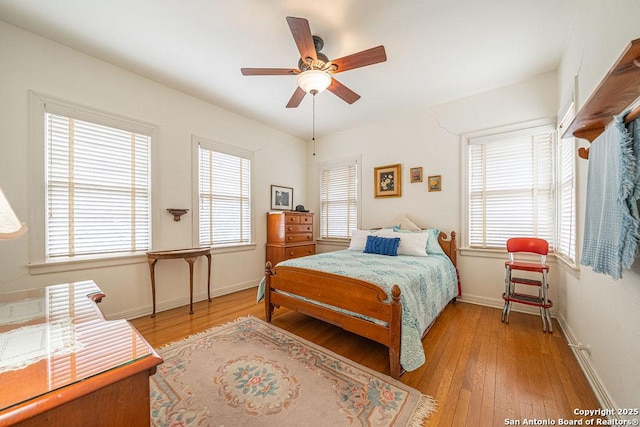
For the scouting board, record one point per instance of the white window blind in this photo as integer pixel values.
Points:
(224, 198)
(566, 203)
(338, 200)
(97, 188)
(511, 187)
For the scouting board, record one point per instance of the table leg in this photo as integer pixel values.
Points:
(190, 260)
(152, 265)
(209, 277)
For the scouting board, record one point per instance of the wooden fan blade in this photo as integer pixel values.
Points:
(296, 99)
(343, 92)
(268, 71)
(302, 35)
(360, 59)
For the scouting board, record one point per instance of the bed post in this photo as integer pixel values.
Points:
(449, 246)
(268, 307)
(454, 249)
(395, 332)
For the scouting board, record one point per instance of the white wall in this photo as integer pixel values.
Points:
(431, 139)
(414, 140)
(30, 62)
(601, 312)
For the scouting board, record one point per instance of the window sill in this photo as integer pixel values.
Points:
(569, 266)
(334, 242)
(500, 254)
(63, 265)
(232, 248)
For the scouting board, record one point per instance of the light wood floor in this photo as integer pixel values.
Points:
(480, 370)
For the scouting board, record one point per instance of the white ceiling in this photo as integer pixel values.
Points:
(437, 50)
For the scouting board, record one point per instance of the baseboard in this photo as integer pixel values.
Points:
(599, 389)
(182, 301)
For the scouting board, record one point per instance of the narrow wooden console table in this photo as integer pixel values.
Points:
(190, 256)
(63, 364)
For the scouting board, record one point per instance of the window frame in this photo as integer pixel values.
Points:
(39, 104)
(465, 141)
(335, 164)
(566, 115)
(213, 145)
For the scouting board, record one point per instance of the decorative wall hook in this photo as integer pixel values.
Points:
(177, 213)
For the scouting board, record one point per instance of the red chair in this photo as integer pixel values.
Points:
(520, 245)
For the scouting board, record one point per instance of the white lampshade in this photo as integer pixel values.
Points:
(314, 80)
(10, 226)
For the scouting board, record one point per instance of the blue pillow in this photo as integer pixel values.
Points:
(433, 246)
(382, 245)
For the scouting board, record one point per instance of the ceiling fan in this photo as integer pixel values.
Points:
(315, 70)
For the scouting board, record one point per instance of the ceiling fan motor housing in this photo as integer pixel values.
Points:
(305, 64)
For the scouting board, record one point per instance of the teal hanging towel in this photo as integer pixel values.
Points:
(611, 231)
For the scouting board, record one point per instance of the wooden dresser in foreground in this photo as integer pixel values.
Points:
(289, 235)
(63, 364)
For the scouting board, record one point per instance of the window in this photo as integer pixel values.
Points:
(566, 200)
(96, 171)
(511, 186)
(224, 195)
(339, 199)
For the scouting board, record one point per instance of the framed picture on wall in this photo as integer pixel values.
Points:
(416, 174)
(434, 182)
(387, 181)
(281, 197)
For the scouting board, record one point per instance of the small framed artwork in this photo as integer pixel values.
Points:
(281, 197)
(416, 174)
(435, 182)
(387, 181)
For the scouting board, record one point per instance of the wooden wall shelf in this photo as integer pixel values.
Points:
(177, 213)
(619, 88)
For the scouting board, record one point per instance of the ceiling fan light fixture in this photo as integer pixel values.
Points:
(314, 81)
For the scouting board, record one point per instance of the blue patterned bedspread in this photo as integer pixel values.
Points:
(427, 285)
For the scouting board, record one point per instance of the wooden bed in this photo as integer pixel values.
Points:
(348, 294)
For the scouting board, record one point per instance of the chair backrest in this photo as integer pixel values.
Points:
(528, 244)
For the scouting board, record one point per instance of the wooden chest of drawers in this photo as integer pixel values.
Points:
(289, 235)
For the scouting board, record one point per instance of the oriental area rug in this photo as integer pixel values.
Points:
(251, 373)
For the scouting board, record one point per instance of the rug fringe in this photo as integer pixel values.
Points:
(422, 411)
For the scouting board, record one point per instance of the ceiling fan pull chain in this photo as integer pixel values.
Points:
(313, 126)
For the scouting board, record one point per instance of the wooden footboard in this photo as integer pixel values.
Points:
(340, 292)
(344, 293)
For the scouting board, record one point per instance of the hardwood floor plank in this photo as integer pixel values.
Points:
(481, 371)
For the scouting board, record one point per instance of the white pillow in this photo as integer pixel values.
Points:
(412, 244)
(405, 223)
(359, 239)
